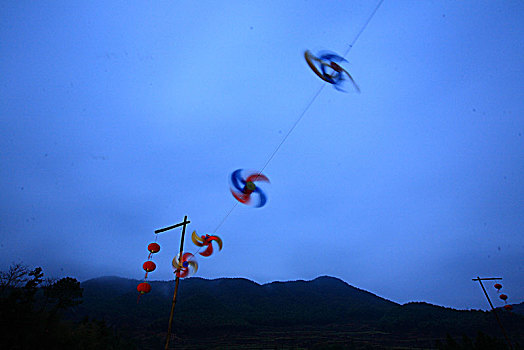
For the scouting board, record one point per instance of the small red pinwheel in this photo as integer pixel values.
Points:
(243, 186)
(206, 240)
(184, 265)
(148, 267)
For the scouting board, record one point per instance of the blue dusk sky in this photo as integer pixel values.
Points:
(118, 118)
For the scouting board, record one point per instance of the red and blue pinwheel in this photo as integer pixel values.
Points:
(185, 265)
(206, 240)
(243, 187)
(330, 71)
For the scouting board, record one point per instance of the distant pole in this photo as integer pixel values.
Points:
(490, 304)
(177, 279)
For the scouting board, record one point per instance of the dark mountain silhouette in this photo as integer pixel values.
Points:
(518, 308)
(235, 301)
(323, 312)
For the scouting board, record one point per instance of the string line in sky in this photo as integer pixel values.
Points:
(363, 28)
(297, 121)
(304, 110)
(276, 149)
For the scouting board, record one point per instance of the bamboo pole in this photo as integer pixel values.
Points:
(492, 308)
(177, 280)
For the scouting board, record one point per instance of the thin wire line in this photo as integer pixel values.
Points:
(292, 128)
(276, 149)
(305, 110)
(363, 28)
(225, 217)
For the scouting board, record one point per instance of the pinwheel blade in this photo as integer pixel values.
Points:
(218, 240)
(197, 240)
(262, 198)
(182, 273)
(330, 56)
(257, 177)
(208, 251)
(237, 180)
(194, 266)
(241, 197)
(352, 81)
(309, 59)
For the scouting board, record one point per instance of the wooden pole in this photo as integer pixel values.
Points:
(492, 308)
(177, 280)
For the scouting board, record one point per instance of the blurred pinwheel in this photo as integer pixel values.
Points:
(185, 265)
(330, 71)
(206, 240)
(243, 186)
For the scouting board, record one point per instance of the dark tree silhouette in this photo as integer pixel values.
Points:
(64, 293)
(15, 277)
(30, 318)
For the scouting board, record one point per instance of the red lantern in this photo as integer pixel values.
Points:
(153, 248)
(144, 288)
(149, 266)
(498, 286)
(508, 307)
(503, 297)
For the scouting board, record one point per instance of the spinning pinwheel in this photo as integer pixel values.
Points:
(244, 186)
(330, 71)
(206, 240)
(183, 266)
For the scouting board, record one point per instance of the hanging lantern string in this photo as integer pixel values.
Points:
(304, 110)
(151, 252)
(149, 257)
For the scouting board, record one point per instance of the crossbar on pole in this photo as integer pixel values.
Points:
(492, 308)
(160, 230)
